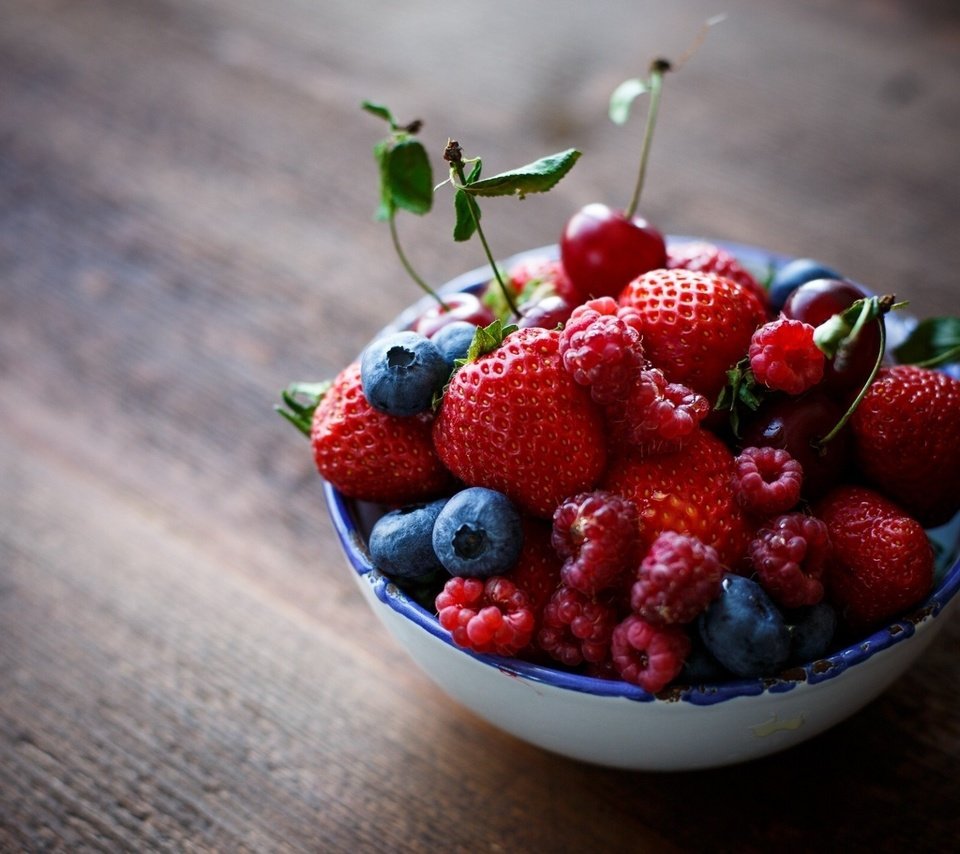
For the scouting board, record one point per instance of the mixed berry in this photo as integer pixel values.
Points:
(637, 458)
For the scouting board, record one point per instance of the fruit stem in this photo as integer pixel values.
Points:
(409, 267)
(454, 156)
(658, 68)
(885, 304)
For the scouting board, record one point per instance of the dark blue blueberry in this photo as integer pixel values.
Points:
(400, 373)
(700, 667)
(478, 533)
(744, 631)
(454, 339)
(401, 541)
(793, 274)
(812, 631)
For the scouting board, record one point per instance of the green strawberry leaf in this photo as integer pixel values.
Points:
(935, 341)
(741, 390)
(301, 400)
(379, 110)
(486, 340)
(536, 177)
(387, 208)
(467, 213)
(623, 97)
(409, 177)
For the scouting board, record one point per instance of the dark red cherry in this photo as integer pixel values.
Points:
(797, 424)
(602, 251)
(460, 306)
(815, 302)
(547, 313)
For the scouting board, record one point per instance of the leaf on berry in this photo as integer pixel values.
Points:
(741, 389)
(301, 400)
(409, 176)
(623, 97)
(486, 340)
(935, 341)
(536, 177)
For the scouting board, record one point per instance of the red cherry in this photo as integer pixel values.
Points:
(815, 302)
(460, 306)
(796, 423)
(602, 251)
(547, 313)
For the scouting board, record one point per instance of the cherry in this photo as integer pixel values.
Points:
(458, 306)
(603, 250)
(815, 302)
(547, 313)
(797, 424)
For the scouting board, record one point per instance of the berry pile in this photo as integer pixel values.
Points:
(637, 459)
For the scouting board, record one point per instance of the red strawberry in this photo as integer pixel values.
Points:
(880, 562)
(514, 420)
(690, 492)
(703, 257)
(695, 326)
(372, 456)
(906, 432)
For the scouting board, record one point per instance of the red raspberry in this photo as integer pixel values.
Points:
(789, 556)
(601, 350)
(767, 480)
(677, 579)
(702, 257)
(657, 417)
(537, 571)
(577, 627)
(596, 533)
(648, 655)
(783, 356)
(486, 616)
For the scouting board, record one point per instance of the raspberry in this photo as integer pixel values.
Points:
(576, 627)
(486, 616)
(601, 350)
(767, 480)
(789, 556)
(596, 533)
(657, 417)
(783, 356)
(677, 579)
(648, 655)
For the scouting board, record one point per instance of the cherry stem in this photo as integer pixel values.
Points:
(885, 303)
(454, 156)
(658, 68)
(409, 267)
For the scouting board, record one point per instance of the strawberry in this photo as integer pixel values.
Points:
(695, 326)
(905, 434)
(880, 562)
(703, 257)
(514, 420)
(690, 491)
(370, 455)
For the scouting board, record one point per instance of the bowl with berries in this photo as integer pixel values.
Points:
(650, 502)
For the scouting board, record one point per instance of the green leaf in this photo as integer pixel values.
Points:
(935, 341)
(475, 171)
(301, 400)
(486, 340)
(536, 177)
(387, 208)
(468, 215)
(623, 97)
(379, 110)
(741, 390)
(409, 176)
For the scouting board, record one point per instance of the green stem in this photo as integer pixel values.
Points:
(657, 70)
(873, 373)
(457, 165)
(409, 268)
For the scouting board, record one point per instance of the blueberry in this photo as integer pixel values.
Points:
(401, 541)
(400, 373)
(700, 667)
(744, 631)
(794, 273)
(454, 339)
(478, 533)
(812, 630)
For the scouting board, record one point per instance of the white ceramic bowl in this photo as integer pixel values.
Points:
(618, 724)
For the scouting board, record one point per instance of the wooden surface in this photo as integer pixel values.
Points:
(186, 192)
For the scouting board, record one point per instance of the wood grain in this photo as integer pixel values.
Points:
(186, 198)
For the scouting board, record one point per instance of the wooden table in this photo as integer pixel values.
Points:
(186, 199)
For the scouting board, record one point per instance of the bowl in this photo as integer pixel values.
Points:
(620, 725)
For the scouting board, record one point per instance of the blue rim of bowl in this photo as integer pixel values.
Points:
(344, 515)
